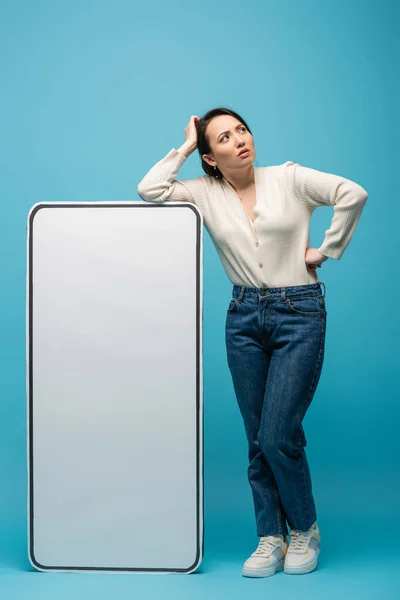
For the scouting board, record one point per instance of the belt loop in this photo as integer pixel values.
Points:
(283, 295)
(242, 291)
(324, 292)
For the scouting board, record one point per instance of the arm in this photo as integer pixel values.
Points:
(316, 188)
(160, 185)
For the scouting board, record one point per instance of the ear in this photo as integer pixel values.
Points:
(209, 160)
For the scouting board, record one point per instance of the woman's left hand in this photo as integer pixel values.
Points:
(314, 258)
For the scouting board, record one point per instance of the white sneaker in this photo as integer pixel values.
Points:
(268, 558)
(303, 552)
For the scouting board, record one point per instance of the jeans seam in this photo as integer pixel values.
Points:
(312, 387)
(278, 508)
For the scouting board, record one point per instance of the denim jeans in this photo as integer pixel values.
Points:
(275, 341)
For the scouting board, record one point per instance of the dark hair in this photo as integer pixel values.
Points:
(203, 145)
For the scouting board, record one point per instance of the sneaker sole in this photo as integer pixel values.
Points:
(263, 571)
(303, 569)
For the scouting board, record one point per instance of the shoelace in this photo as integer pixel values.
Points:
(299, 541)
(267, 545)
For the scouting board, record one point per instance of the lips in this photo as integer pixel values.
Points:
(244, 151)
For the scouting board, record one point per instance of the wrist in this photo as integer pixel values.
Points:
(324, 255)
(187, 148)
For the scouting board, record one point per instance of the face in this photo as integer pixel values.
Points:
(227, 138)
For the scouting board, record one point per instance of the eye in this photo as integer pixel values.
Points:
(242, 128)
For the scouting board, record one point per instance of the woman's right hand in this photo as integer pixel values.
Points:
(191, 131)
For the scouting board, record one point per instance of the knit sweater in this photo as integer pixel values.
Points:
(271, 251)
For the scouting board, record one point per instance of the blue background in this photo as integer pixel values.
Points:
(93, 93)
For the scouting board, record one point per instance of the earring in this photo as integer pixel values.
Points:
(215, 167)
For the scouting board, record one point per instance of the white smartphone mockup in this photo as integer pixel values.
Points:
(114, 386)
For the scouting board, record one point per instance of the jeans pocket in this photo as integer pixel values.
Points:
(232, 305)
(309, 306)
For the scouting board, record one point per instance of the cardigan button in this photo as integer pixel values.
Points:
(260, 265)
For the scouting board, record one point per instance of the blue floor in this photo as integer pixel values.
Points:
(359, 558)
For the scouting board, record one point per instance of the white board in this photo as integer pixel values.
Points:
(114, 383)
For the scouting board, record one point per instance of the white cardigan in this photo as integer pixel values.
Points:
(270, 252)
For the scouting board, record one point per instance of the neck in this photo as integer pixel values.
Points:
(240, 178)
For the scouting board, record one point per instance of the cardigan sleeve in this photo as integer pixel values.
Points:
(159, 184)
(315, 188)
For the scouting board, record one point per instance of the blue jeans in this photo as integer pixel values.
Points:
(275, 341)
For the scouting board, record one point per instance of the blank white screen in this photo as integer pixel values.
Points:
(115, 397)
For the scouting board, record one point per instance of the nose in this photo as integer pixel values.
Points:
(239, 141)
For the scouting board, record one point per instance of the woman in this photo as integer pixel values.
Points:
(258, 219)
